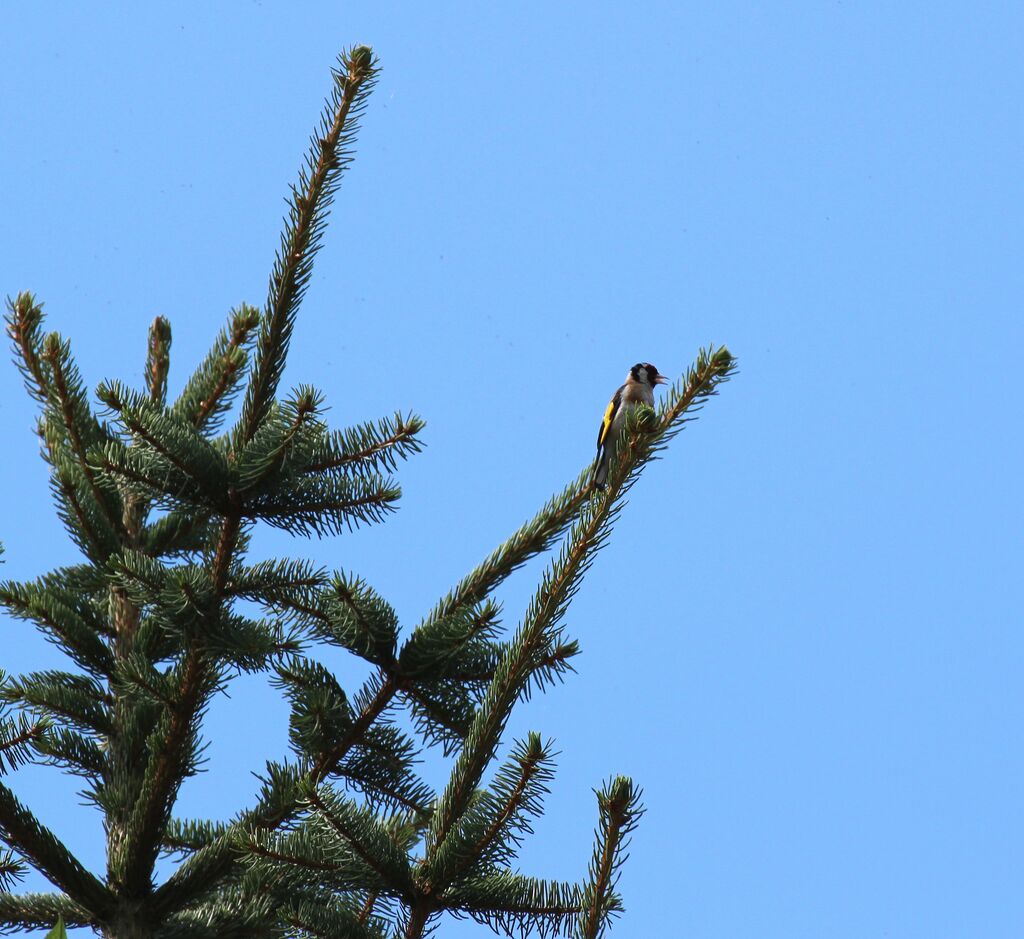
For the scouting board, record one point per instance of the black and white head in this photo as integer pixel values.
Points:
(646, 374)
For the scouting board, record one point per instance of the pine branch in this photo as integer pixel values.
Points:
(419, 917)
(12, 870)
(286, 587)
(325, 917)
(187, 836)
(381, 768)
(384, 691)
(442, 712)
(441, 641)
(281, 794)
(370, 447)
(365, 836)
(171, 748)
(215, 862)
(619, 802)
(509, 902)
(191, 882)
(320, 712)
(511, 677)
(166, 448)
(158, 360)
(251, 645)
(219, 861)
(283, 445)
(147, 583)
(221, 921)
(40, 911)
(20, 829)
(17, 736)
(82, 429)
(357, 857)
(534, 537)
(179, 532)
(329, 155)
(446, 665)
(64, 616)
(209, 392)
(367, 909)
(359, 619)
(75, 752)
(86, 522)
(322, 506)
(24, 326)
(493, 830)
(351, 614)
(170, 751)
(77, 699)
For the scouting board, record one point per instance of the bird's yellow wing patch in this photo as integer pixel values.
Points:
(609, 416)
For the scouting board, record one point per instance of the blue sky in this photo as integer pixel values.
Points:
(804, 638)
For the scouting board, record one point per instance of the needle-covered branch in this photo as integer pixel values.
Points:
(191, 881)
(18, 735)
(78, 753)
(347, 613)
(25, 327)
(216, 862)
(318, 506)
(186, 836)
(510, 903)
(210, 391)
(381, 766)
(619, 804)
(81, 430)
(321, 917)
(158, 360)
(178, 464)
(173, 745)
(68, 428)
(490, 833)
(65, 616)
(26, 911)
(21, 830)
(330, 153)
(179, 533)
(12, 870)
(87, 524)
(534, 537)
(369, 447)
(173, 751)
(283, 446)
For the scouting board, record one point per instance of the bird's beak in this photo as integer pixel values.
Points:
(661, 380)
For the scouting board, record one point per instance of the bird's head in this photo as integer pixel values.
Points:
(647, 374)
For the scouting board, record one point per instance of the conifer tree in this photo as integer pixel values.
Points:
(161, 496)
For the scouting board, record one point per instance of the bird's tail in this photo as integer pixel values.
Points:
(601, 468)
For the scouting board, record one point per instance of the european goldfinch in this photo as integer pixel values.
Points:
(638, 389)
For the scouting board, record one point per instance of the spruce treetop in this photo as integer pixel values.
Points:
(160, 493)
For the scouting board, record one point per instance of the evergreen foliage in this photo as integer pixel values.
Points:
(345, 841)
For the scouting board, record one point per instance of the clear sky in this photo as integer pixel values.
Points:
(804, 639)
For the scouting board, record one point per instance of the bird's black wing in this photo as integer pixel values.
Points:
(609, 416)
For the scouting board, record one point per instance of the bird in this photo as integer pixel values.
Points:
(637, 389)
